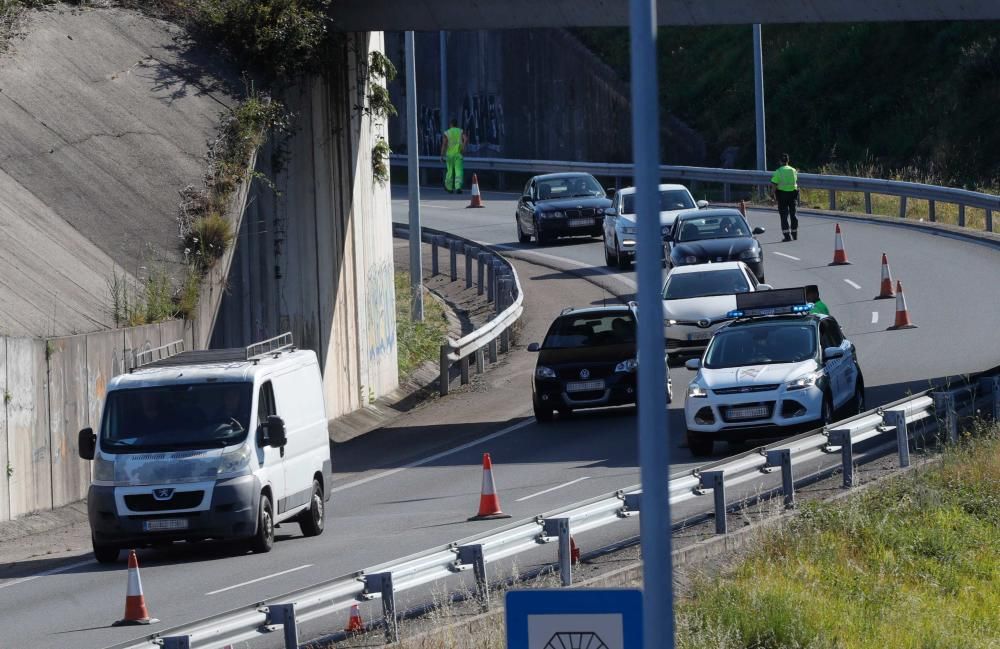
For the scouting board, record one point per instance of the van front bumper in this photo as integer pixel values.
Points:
(232, 514)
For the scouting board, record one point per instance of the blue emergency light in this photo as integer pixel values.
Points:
(774, 302)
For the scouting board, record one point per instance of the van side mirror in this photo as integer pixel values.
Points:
(758, 230)
(533, 347)
(765, 287)
(87, 443)
(702, 204)
(831, 353)
(276, 437)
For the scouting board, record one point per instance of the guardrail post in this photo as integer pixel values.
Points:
(991, 384)
(445, 377)
(842, 437)
(435, 267)
(932, 211)
(473, 554)
(783, 458)
(490, 280)
(726, 193)
(463, 366)
(897, 419)
(381, 582)
(468, 266)
(989, 220)
(453, 259)
(491, 349)
(501, 181)
(505, 341)
(833, 199)
(497, 268)
(902, 207)
(868, 202)
(944, 409)
(560, 527)
(961, 215)
(480, 360)
(716, 481)
(176, 642)
(284, 614)
(481, 258)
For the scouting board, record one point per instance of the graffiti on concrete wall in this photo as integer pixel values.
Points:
(481, 119)
(380, 307)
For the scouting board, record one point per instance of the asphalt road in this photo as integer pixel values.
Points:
(412, 485)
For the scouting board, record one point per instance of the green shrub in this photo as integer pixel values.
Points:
(207, 240)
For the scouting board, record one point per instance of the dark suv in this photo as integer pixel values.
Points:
(587, 360)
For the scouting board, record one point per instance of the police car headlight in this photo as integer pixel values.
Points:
(104, 469)
(803, 382)
(629, 365)
(690, 259)
(235, 461)
(543, 372)
(628, 229)
(750, 255)
(695, 391)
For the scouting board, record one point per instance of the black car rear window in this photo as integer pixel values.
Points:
(590, 330)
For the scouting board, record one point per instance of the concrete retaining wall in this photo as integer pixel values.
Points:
(51, 389)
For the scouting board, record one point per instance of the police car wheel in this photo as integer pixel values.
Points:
(826, 418)
(858, 402)
(699, 445)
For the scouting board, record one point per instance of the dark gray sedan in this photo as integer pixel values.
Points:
(561, 205)
(715, 235)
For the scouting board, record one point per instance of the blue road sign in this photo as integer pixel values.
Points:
(574, 619)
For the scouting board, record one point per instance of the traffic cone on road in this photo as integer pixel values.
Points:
(574, 552)
(477, 199)
(355, 624)
(839, 254)
(902, 313)
(489, 502)
(885, 291)
(135, 603)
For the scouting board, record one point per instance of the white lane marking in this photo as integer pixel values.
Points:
(553, 489)
(781, 254)
(854, 284)
(432, 458)
(874, 317)
(46, 573)
(566, 260)
(254, 581)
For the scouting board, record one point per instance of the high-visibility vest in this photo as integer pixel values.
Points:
(454, 135)
(786, 178)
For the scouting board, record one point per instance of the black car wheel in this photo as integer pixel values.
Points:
(312, 520)
(521, 236)
(540, 239)
(543, 413)
(700, 445)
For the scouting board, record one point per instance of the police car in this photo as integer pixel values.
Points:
(776, 369)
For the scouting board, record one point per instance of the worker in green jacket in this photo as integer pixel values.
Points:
(786, 192)
(453, 143)
(812, 295)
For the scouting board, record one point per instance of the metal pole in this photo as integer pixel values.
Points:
(758, 95)
(654, 453)
(413, 181)
(443, 46)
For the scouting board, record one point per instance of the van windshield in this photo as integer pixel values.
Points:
(176, 417)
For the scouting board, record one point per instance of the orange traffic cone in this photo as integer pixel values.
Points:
(885, 292)
(477, 199)
(489, 502)
(574, 552)
(839, 254)
(355, 624)
(743, 208)
(902, 313)
(135, 603)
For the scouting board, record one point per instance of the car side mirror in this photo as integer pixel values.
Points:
(758, 230)
(533, 347)
(87, 443)
(610, 191)
(702, 204)
(276, 437)
(831, 353)
(693, 364)
(765, 287)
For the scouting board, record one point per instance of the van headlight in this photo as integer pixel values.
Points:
(235, 461)
(803, 382)
(104, 469)
(695, 391)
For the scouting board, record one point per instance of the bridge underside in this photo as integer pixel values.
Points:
(433, 15)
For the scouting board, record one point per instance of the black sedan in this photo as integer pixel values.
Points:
(561, 205)
(587, 360)
(715, 235)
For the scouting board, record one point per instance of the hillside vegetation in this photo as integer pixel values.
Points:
(919, 97)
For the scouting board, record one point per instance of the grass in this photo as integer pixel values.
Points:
(417, 342)
(12, 15)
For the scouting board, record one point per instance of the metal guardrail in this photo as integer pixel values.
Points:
(495, 278)
(933, 412)
(741, 177)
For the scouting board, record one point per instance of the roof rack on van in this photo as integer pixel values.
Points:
(149, 356)
(271, 346)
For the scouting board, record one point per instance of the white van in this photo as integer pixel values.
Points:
(216, 444)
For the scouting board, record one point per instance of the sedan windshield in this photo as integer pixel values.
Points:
(587, 330)
(670, 199)
(705, 284)
(762, 344)
(175, 417)
(583, 185)
(712, 227)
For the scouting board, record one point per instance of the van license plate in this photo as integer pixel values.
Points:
(165, 524)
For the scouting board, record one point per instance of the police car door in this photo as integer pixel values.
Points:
(837, 369)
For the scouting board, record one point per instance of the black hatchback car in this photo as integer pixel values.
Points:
(587, 360)
(561, 205)
(715, 235)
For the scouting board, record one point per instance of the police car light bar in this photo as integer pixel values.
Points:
(774, 302)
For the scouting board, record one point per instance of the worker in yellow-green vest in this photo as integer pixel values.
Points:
(786, 191)
(453, 143)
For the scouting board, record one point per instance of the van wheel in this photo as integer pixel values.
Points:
(105, 553)
(263, 540)
(311, 520)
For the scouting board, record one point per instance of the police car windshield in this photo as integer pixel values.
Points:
(569, 187)
(590, 330)
(670, 199)
(705, 284)
(712, 227)
(176, 417)
(762, 344)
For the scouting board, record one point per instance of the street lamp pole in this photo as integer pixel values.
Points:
(413, 183)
